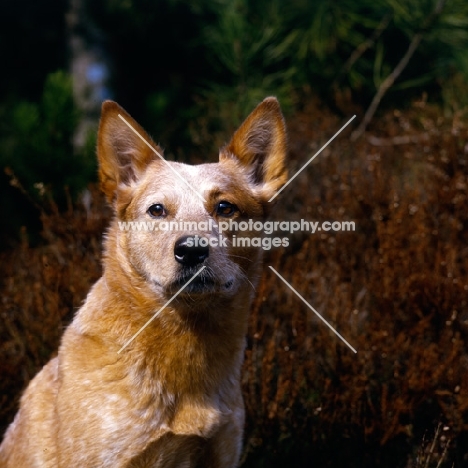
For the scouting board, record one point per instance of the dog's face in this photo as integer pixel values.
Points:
(172, 218)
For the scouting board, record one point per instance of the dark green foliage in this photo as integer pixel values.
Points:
(37, 153)
(326, 45)
(38, 141)
(192, 70)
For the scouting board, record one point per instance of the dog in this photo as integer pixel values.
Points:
(148, 372)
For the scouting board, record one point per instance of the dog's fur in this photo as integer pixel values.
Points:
(172, 398)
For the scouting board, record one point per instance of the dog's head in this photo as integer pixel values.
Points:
(170, 216)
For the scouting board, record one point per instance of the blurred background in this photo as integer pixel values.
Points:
(189, 72)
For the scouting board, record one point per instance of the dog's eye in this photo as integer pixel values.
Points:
(226, 209)
(157, 210)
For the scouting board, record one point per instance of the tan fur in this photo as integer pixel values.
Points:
(172, 398)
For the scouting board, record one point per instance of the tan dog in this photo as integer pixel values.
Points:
(171, 397)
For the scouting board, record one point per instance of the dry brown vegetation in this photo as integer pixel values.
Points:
(396, 288)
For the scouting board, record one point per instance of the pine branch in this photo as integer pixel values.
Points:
(366, 45)
(393, 76)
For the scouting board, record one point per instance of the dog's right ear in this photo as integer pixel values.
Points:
(123, 152)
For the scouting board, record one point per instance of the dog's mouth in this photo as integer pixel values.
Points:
(203, 283)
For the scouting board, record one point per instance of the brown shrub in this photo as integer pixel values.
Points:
(396, 289)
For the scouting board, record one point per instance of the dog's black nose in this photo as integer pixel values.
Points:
(191, 250)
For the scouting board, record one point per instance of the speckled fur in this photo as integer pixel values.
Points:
(172, 398)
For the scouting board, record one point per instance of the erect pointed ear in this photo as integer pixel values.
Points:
(260, 146)
(122, 152)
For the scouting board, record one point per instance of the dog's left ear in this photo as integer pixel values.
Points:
(260, 146)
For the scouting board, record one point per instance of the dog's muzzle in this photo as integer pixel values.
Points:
(191, 255)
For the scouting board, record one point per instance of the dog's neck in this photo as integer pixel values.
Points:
(181, 347)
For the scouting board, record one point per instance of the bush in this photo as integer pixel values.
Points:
(38, 143)
(37, 152)
(395, 289)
